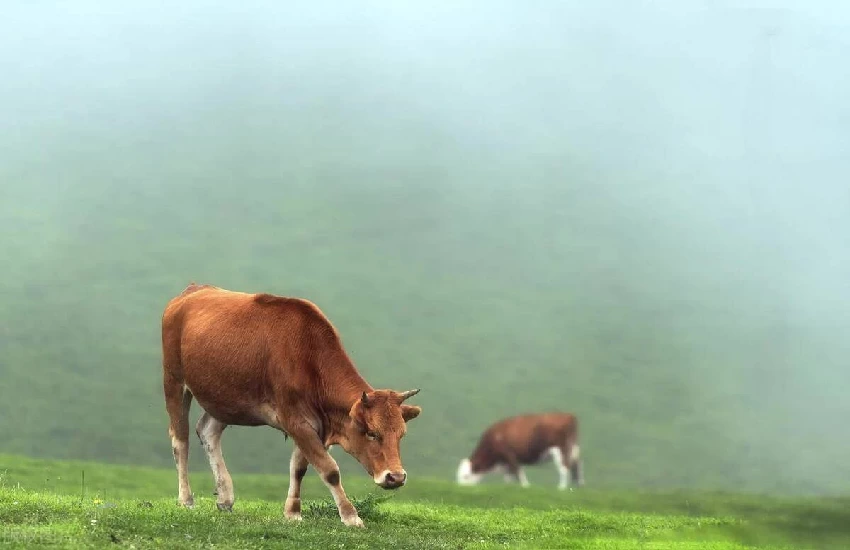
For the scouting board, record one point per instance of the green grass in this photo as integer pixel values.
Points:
(44, 503)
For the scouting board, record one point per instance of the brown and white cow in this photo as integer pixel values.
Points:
(259, 359)
(514, 442)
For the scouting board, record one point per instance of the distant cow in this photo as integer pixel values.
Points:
(514, 442)
(259, 359)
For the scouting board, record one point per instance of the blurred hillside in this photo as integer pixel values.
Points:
(514, 210)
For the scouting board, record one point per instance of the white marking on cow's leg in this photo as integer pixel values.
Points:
(180, 449)
(575, 459)
(316, 454)
(575, 466)
(209, 431)
(523, 481)
(297, 471)
(563, 471)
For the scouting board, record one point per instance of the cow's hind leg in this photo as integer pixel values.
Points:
(209, 431)
(316, 454)
(297, 471)
(520, 475)
(178, 399)
(558, 459)
(576, 466)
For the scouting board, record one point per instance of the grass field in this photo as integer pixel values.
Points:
(78, 504)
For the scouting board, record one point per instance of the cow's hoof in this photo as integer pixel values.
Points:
(187, 503)
(224, 506)
(354, 521)
(292, 509)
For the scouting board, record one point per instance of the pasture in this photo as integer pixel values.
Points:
(47, 503)
(635, 212)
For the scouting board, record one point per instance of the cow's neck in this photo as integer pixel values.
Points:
(344, 388)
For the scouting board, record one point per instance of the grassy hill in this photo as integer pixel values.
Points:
(42, 503)
(511, 216)
(673, 389)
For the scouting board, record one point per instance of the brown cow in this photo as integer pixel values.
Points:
(514, 442)
(259, 359)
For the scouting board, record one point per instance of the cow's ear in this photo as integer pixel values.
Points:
(409, 412)
(364, 399)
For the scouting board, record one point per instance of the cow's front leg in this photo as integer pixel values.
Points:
(513, 469)
(316, 454)
(508, 475)
(297, 471)
(516, 474)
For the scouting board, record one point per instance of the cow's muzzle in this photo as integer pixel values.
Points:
(391, 480)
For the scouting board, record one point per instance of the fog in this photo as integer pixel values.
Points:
(646, 202)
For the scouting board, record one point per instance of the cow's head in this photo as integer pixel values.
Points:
(376, 425)
(467, 474)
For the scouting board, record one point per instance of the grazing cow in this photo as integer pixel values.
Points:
(259, 359)
(514, 442)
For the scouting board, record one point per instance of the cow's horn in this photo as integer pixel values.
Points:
(364, 399)
(405, 394)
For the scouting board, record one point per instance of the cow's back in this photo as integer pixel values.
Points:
(530, 437)
(210, 317)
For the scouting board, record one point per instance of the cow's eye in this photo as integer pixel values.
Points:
(371, 436)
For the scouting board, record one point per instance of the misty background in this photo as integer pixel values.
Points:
(637, 212)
